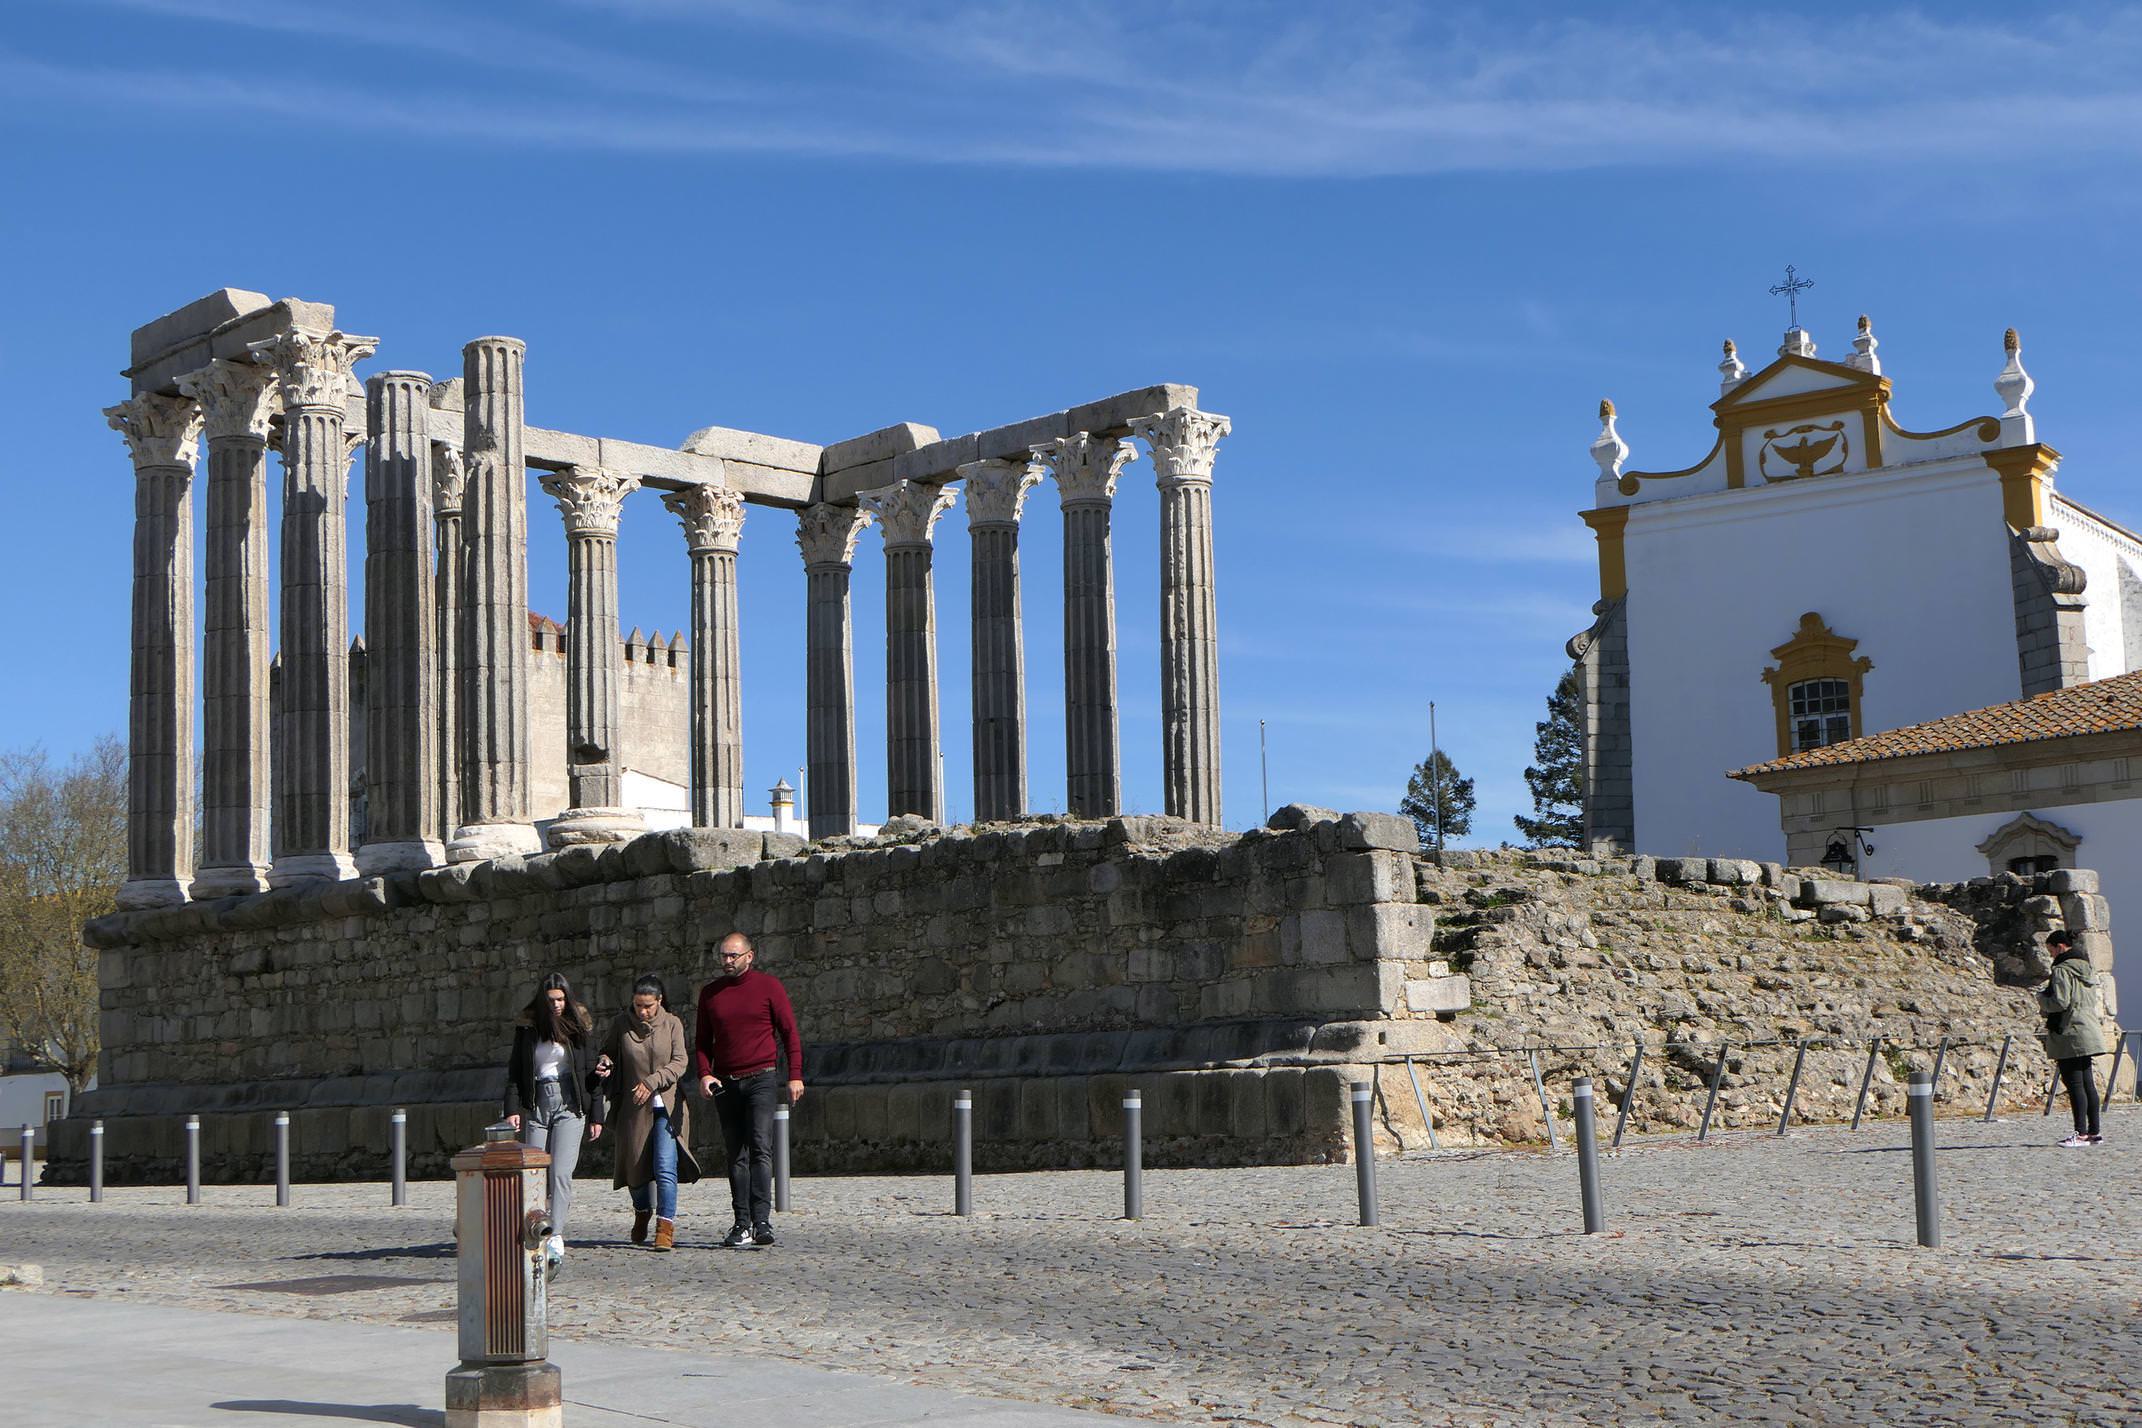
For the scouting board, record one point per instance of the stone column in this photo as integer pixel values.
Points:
(401, 761)
(237, 400)
(1085, 468)
(996, 491)
(161, 433)
(907, 512)
(713, 518)
(447, 480)
(827, 535)
(493, 649)
(1183, 442)
(590, 500)
(311, 832)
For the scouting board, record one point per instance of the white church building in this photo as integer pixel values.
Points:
(1824, 575)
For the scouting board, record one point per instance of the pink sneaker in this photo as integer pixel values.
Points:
(2075, 1142)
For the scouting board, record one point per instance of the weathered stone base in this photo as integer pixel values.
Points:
(480, 842)
(595, 825)
(378, 859)
(506, 1396)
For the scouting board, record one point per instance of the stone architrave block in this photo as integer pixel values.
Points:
(2071, 880)
(1401, 932)
(1734, 872)
(2085, 912)
(1375, 876)
(695, 850)
(1315, 936)
(1379, 830)
(1834, 892)
(1427, 996)
(1886, 901)
(785, 845)
(1292, 816)
(1684, 870)
(2097, 946)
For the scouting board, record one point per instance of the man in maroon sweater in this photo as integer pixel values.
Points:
(741, 1013)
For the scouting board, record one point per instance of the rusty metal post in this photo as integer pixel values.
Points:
(1792, 1087)
(1993, 1097)
(502, 1218)
(1628, 1094)
(1710, 1102)
(1866, 1079)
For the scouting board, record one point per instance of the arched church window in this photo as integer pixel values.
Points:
(1821, 711)
(1816, 685)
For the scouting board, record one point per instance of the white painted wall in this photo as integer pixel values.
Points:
(22, 1102)
(2100, 549)
(1912, 562)
(1946, 850)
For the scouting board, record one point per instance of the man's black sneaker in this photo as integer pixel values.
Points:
(762, 1236)
(738, 1237)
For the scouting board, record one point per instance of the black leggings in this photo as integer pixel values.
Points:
(2082, 1092)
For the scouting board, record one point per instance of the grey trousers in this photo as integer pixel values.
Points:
(550, 1127)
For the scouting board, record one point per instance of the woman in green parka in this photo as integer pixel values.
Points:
(2074, 1011)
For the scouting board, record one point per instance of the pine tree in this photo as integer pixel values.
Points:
(1433, 776)
(1557, 778)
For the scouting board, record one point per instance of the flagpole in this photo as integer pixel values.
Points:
(1435, 783)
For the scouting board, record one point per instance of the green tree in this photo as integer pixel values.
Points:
(62, 858)
(1556, 778)
(1437, 789)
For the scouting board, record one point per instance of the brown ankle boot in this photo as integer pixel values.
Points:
(665, 1235)
(639, 1225)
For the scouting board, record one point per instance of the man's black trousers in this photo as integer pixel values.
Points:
(746, 1107)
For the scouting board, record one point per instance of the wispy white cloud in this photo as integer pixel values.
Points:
(1254, 87)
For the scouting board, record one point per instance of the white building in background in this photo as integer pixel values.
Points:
(1823, 574)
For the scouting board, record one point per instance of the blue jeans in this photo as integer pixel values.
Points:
(660, 1193)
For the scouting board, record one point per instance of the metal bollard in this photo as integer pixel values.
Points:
(1628, 1096)
(1422, 1102)
(29, 1161)
(282, 1159)
(2112, 1082)
(1792, 1087)
(2000, 1066)
(1941, 1054)
(193, 1160)
(963, 1153)
(96, 1161)
(1926, 1196)
(780, 1157)
(1710, 1101)
(1866, 1079)
(1133, 1156)
(2052, 1088)
(1539, 1088)
(399, 1135)
(1588, 1159)
(1364, 1152)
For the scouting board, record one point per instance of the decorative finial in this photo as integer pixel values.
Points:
(1608, 449)
(1732, 371)
(1863, 349)
(1790, 290)
(2014, 385)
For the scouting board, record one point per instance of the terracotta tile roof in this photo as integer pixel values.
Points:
(2102, 706)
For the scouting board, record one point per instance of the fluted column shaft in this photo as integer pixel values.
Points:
(237, 400)
(827, 535)
(713, 518)
(446, 485)
(311, 834)
(1183, 443)
(400, 623)
(590, 500)
(494, 606)
(906, 514)
(161, 432)
(1085, 468)
(996, 490)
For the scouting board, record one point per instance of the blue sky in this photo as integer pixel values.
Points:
(1406, 248)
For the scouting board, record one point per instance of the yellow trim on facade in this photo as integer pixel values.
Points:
(1608, 523)
(2024, 487)
(1814, 652)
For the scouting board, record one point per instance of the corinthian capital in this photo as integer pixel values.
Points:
(315, 370)
(159, 430)
(236, 398)
(996, 490)
(907, 511)
(1184, 441)
(1085, 466)
(827, 534)
(449, 478)
(713, 516)
(589, 497)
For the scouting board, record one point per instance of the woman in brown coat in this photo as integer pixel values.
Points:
(643, 1060)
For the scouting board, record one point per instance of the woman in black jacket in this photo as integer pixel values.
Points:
(552, 1091)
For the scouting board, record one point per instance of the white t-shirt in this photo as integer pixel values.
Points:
(549, 1060)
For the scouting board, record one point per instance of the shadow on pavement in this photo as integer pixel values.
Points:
(442, 1250)
(406, 1414)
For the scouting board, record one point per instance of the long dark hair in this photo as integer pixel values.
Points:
(649, 985)
(568, 1030)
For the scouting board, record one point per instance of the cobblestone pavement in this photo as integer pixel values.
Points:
(1753, 1280)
